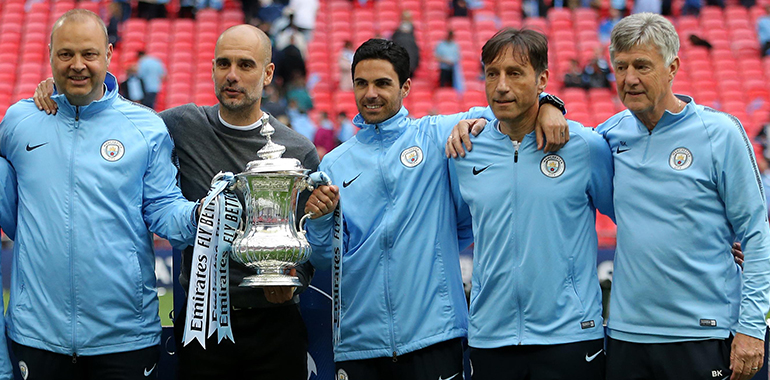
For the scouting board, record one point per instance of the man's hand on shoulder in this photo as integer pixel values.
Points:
(42, 97)
(551, 126)
(460, 140)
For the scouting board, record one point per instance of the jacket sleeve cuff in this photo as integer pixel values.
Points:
(752, 331)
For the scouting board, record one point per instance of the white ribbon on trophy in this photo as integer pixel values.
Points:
(208, 296)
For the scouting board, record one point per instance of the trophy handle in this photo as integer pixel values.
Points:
(302, 222)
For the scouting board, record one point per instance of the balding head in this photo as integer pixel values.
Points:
(80, 16)
(80, 56)
(250, 34)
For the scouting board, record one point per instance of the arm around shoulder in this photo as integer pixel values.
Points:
(602, 171)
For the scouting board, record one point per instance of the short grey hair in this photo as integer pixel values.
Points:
(645, 29)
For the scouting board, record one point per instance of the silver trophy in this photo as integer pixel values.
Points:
(268, 240)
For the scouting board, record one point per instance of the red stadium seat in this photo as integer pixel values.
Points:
(605, 230)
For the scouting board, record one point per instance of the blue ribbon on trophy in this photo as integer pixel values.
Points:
(208, 297)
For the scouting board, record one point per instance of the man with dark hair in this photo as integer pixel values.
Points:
(547, 323)
(95, 181)
(399, 305)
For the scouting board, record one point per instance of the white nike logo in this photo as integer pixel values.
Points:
(592, 357)
(147, 373)
(449, 378)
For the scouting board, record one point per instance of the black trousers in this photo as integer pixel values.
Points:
(570, 361)
(440, 361)
(703, 359)
(446, 77)
(46, 365)
(270, 343)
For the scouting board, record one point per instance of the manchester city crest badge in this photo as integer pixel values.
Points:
(112, 150)
(552, 166)
(411, 157)
(680, 159)
(23, 370)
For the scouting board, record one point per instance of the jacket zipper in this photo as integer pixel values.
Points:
(387, 257)
(73, 312)
(516, 145)
(647, 145)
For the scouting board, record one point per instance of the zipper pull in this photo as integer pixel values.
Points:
(516, 151)
(77, 113)
(395, 358)
(74, 358)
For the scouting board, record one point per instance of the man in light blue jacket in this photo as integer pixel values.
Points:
(399, 304)
(536, 304)
(95, 181)
(686, 185)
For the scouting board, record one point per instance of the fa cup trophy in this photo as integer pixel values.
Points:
(268, 240)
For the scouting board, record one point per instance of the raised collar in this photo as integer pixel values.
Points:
(390, 128)
(110, 94)
(496, 133)
(669, 118)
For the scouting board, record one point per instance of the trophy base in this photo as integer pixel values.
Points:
(270, 279)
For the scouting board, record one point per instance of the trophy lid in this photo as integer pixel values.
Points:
(270, 156)
(271, 150)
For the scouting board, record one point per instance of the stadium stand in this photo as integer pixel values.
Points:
(730, 76)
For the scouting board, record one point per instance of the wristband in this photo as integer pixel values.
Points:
(554, 101)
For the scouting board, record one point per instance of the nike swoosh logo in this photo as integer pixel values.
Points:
(592, 357)
(478, 171)
(31, 148)
(618, 151)
(147, 373)
(347, 183)
(449, 378)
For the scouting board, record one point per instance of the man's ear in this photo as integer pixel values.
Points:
(406, 87)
